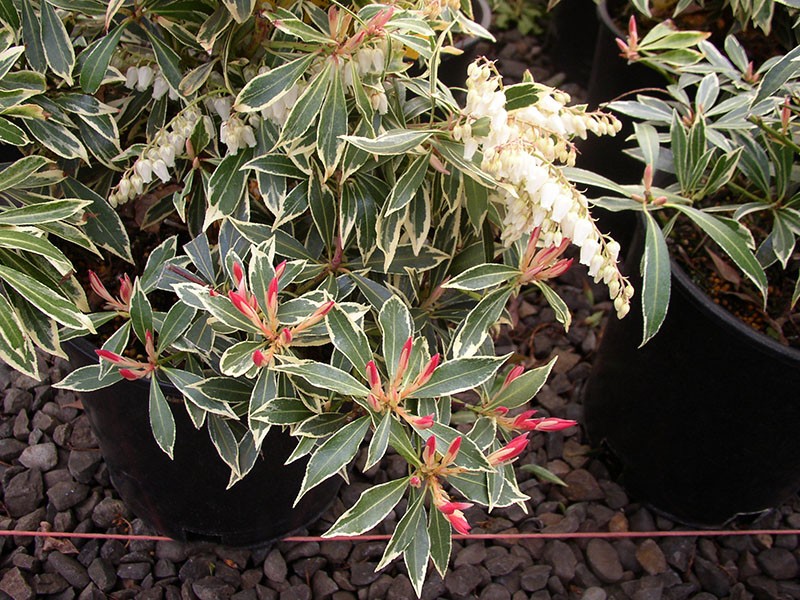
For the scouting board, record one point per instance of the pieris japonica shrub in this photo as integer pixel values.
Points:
(334, 235)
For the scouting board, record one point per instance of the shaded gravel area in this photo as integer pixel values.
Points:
(53, 478)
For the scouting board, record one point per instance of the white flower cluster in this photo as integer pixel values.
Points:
(157, 159)
(522, 150)
(141, 78)
(233, 132)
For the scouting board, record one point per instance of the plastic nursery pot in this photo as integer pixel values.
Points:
(612, 78)
(704, 418)
(571, 38)
(185, 498)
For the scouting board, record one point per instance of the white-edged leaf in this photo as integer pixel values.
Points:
(58, 50)
(88, 379)
(370, 509)
(656, 278)
(348, 338)
(334, 454)
(326, 377)
(394, 320)
(481, 277)
(459, 375)
(161, 420)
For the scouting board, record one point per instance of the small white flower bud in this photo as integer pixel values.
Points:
(137, 184)
(144, 78)
(144, 169)
(160, 169)
(131, 77)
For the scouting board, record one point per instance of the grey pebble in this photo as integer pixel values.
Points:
(559, 556)
(102, 573)
(463, 580)
(212, 588)
(83, 464)
(778, 563)
(495, 591)
(69, 568)
(362, 574)
(24, 493)
(275, 566)
(107, 511)
(66, 494)
(40, 456)
(16, 585)
(296, 592)
(535, 577)
(594, 593)
(323, 586)
(604, 561)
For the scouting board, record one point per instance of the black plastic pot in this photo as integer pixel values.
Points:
(612, 78)
(704, 419)
(185, 498)
(572, 37)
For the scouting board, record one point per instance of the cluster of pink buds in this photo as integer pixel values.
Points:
(392, 395)
(545, 263)
(647, 185)
(134, 369)
(509, 452)
(123, 302)
(525, 421)
(629, 49)
(266, 320)
(432, 471)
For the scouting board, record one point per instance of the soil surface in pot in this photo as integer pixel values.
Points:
(711, 270)
(53, 478)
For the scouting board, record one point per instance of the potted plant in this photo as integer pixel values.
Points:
(310, 239)
(723, 223)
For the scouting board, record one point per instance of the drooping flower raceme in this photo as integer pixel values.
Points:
(524, 150)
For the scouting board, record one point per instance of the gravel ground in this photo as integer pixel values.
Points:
(53, 477)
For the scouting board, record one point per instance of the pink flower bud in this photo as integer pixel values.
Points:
(272, 296)
(425, 422)
(423, 377)
(510, 451)
(260, 359)
(238, 274)
(374, 378)
(415, 481)
(402, 362)
(242, 305)
(132, 375)
(458, 521)
(429, 451)
(125, 289)
(280, 269)
(512, 375)
(452, 451)
(374, 403)
(149, 346)
(449, 508)
(553, 424)
(286, 336)
(109, 356)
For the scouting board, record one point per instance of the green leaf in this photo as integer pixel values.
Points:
(563, 314)
(32, 36)
(370, 509)
(103, 224)
(16, 348)
(332, 125)
(473, 330)
(656, 278)
(334, 454)
(406, 529)
(178, 319)
(522, 389)
(326, 377)
(459, 375)
(379, 442)
(97, 58)
(348, 338)
(224, 441)
(441, 540)
(225, 389)
(26, 242)
(161, 419)
(282, 411)
(88, 379)
(240, 9)
(57, 138)
(261, 91)
(396, 141)
(46, 300)
(42, 213)
(227, 186)
(469, 456)
(57, 45)
(408, 184)
(11, 134)
(141, 312)
(238, 359)
(185, 382)
(786, 68)
(416, 555)
(168, 61)
(307, 108)
(731, 242)
(482, 276)
(265, 390)
(543, 474)
(394, 320)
